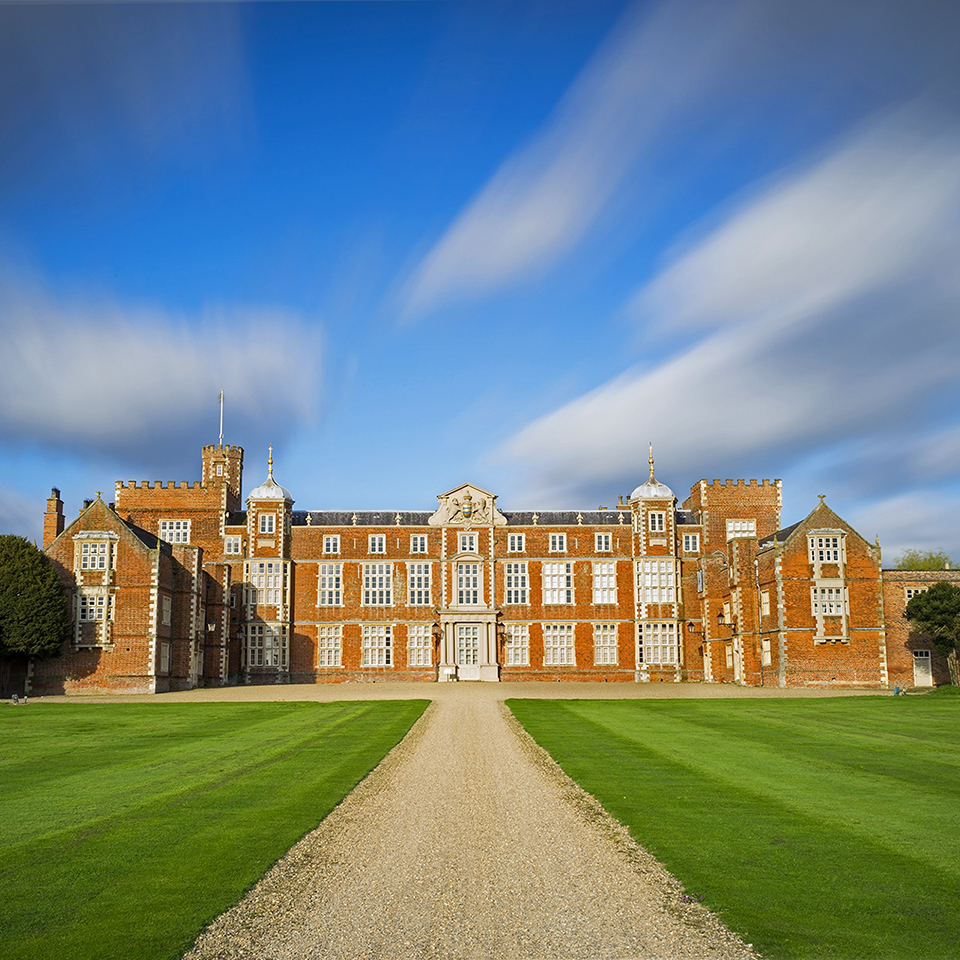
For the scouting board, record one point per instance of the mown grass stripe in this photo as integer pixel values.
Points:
(143, 879)
(692, 781)
(907, 815)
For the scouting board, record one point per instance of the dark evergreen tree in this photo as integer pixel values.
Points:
(936, 613)
(34, 618)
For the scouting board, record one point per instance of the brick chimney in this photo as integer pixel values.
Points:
(53, 518)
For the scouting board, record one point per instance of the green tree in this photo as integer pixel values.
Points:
(33, 609)
(922, 560)
(936, 613)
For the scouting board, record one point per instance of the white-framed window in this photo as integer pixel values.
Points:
(826, 549)
(97, 555)
(728, 647)
(469, 590)
(231, 544)
(515, 578)
(516, 543)
(765, 654)
(741, 528)
(604, 643)
(268, 523)
(558, 543)
(605, 582)
(378, 584)
(765, 603)
(558, 583)
(603, 542)
(658, 642)
(418, 584)
(329, 585)
(175, 531)
(268, 578)
(657, 521)
(912, 592)
(164, 657)
(558, 648)
(467, 543)
(331, 543)
(691, 543)
(418, 543)
(377, 543)
(828, 601)
(419, 645)
(266, 645)
(655, 581)
(516, 649)
(219, 469)
(166, 611)
(330, 645)
(377, 647)
(95, 606)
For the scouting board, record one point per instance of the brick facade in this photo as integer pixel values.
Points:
(175, 585)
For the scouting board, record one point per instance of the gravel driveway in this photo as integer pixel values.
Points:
(467, 841)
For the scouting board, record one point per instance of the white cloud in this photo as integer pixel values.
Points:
(99, 375)
(544, 198)
(870, 214)
(802, 351)
(917, 520)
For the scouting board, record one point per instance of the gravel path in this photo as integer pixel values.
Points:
(467, 841)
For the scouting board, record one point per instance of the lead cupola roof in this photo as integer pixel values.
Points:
(653, 489)
(270, 489)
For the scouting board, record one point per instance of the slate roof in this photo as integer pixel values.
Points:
(780, 535)
(419, 518)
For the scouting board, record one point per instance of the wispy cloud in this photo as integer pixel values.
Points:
(97, 375)
(826, 307)
(545, 197)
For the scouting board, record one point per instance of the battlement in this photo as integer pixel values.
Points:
(158, 485)
(224, 448)
(740, 483)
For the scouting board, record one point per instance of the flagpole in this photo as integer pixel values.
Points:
(221, 418)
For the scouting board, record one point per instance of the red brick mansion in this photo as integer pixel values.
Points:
(176, 585)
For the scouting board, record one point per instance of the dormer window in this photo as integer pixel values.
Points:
(268, 522)
(96, 556)
(826, 549)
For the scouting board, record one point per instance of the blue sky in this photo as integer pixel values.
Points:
(418, 243)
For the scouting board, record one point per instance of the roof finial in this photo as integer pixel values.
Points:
(822, 497)
(270, 463)
(651, 462)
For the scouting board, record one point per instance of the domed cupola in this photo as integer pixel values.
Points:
(652, 489)
(270, 489)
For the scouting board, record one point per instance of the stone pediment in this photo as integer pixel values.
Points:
(467, 505)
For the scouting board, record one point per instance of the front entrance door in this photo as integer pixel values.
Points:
(922, 669)
(468, 651)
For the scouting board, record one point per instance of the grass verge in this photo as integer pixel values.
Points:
(126, 828)
(815, 828)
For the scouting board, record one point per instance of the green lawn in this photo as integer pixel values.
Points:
(126, 828)
(816, 828)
